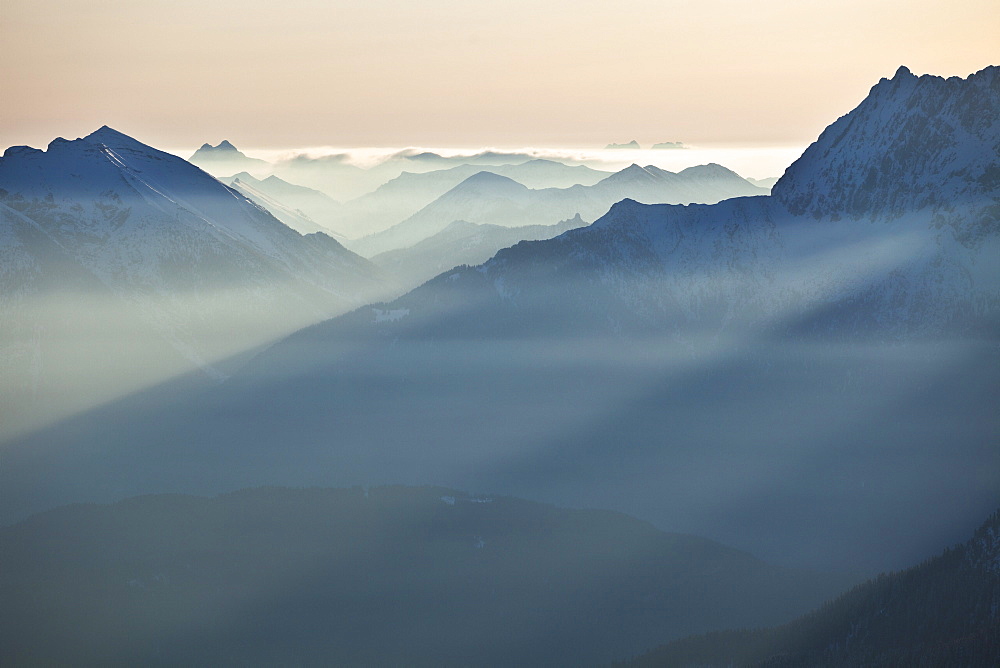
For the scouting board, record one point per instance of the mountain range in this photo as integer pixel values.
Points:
(124, 265)
(405, 195)
(808, 376)
(490, 198)
(782, 373)
(303, 209)
(462, 243)
(337, 175)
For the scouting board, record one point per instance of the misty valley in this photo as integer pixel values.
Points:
(504, 408)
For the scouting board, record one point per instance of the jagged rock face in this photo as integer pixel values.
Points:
(914, 144)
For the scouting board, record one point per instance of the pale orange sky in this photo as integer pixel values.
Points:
(464, 72)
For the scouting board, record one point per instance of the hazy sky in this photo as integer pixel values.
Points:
(465, 72)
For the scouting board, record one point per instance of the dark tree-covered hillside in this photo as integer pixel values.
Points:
(384, 576)
(944, 612)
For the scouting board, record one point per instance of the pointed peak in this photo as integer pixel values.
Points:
(631, 174)
(633, 171)
(656, 171)
(902, 73)
(113, 139)
(224, 151)
(246, 178)
(104, 134)
(224, 147)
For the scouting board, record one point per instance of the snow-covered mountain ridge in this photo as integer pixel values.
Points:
(907, 184)
(168, 248)
(914, 144)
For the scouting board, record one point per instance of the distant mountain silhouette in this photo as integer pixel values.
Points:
(489, 198)
(226, 159)
(409, 192)
(630, 145)
(303, 209)
(461, 243)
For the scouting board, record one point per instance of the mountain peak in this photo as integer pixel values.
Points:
(225, 156)
(111, 138)
(490, 180)
(58, 141)
(224, 147)
(634, 145)
(634, 170)
(630, 174)
(869, 161)
(710, 170)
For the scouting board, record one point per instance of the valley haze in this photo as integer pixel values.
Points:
(545, 334)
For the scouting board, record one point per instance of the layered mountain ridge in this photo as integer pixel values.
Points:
(491, 198)
(785, 382)
(171, 253)
(852, 346)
